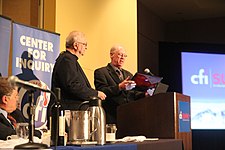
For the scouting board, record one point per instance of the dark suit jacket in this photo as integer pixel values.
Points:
(6, 129)
(107, 80)
(70, 78)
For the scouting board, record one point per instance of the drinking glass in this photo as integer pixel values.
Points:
(22, 130)
(111, 132)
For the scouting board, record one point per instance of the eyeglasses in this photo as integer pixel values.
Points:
(85, 44)
(122, 55)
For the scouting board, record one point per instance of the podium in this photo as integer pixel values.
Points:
(164, 115)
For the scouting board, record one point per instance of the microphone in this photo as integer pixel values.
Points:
(147, 71)
(15, 81)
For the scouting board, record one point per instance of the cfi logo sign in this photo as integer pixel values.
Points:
(41, 100)
(184, 116)
(214, 79)
(200, 78)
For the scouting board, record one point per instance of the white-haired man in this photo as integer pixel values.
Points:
(113, 80)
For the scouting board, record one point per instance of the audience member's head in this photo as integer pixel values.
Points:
(118, 55)
(8, 96)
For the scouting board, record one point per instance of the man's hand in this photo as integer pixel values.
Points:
(125, 83)
(101, 95)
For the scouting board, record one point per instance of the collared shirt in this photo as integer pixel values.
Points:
(4, 114)
(118, 71)
(114, 67)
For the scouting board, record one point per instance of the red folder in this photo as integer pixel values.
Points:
(144, 82)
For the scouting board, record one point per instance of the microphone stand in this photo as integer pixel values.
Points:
(31, 144)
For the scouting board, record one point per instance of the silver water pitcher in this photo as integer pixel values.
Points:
(80, 126)
(96, 111)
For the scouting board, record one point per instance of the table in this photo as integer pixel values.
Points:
(162, 144)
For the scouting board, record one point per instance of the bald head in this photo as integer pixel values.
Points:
(118, 55)
(75, 36)
(76, 43)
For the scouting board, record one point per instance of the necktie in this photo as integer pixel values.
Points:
(120, 74)
(13, 121)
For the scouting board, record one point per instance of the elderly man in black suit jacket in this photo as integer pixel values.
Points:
(114, 81)
(70, 77)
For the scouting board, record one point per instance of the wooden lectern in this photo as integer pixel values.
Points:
(164, 115)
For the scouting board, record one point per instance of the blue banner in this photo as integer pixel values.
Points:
(34, 54)
(184, 116)
(5, 34)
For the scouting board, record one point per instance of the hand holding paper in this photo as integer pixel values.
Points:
(127, 84)
(130, 85)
